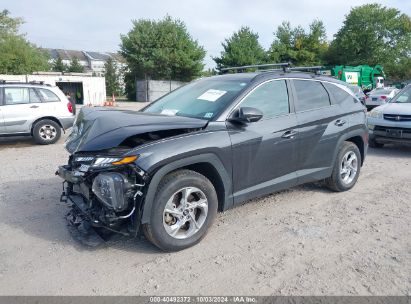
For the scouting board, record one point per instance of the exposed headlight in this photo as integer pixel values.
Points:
(102, 162)
(375, 114)
(110, 189)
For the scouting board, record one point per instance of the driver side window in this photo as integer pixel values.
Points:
(271, 98)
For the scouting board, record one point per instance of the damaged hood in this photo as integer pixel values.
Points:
(100, 128)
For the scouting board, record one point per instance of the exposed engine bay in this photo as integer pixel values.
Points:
(102, 200)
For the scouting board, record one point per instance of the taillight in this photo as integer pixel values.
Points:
(383, 97)
(70, 107)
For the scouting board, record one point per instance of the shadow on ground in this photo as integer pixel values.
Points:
(34, 208)
(392, 151)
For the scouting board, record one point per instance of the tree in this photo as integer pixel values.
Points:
(374, 34)
(75, 66)
(59, 66)
(161, 50)
(8, 25)
(242, 48)
(112, 78)
(17, 55)
(297, 46)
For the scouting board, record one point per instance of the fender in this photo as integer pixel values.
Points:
(361, 132)
(202, 158)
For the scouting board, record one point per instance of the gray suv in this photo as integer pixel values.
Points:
(35, 109)
(207, 147)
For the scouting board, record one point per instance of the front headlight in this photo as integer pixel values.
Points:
(101, 162)
(375, 114)
(110, 189)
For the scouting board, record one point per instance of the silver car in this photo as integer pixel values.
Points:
(358, 92)
(35, 109)
(380, 96)
(391, 122)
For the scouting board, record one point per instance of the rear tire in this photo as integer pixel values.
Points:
(192, 201)
(46, 132)
(346, 169)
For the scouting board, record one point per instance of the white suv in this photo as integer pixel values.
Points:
(35, 109)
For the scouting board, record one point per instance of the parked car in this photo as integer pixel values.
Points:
(207, 147)
(380, 96)
(35, 109)
(358, 92)
(391, 122)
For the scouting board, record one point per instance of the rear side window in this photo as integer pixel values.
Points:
(310, 95)
(48, 96)
(34, 98)
(271, 98)
(337, 93)
(16, 95)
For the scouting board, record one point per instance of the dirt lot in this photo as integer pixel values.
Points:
(303, 241)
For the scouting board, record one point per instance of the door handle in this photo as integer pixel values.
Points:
(290, 134)
(34, 106)
(340, 123)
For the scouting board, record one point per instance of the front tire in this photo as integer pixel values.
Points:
(46, 132)
(184, 207)
(346, 168)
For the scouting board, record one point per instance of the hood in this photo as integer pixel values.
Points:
(100, 128)
(397, 108)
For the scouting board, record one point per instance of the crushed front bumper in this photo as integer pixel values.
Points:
(68, 175)
(81, 229)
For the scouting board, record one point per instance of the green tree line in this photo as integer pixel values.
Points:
(164, 49)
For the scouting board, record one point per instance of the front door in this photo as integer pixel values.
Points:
(264, 152)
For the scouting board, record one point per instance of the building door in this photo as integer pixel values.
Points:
(74, 89)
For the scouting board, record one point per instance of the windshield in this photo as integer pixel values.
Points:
(204, 98)
(404, 96)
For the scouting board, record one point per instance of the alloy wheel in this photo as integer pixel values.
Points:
(47, 132)
(349, 167)
(185, 212)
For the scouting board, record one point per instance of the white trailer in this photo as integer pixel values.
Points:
(83, 87)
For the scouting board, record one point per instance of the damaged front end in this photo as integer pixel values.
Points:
(103, 182)
(105, 196)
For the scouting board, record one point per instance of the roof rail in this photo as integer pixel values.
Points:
(258, 66)
(2, 81)
(285, 67)
(316, 69)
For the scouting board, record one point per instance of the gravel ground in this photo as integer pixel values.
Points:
(302, 241)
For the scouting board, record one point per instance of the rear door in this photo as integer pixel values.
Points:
(264, 151)
(51, 103)
(21, 106)
(2, 127)
(319, 127)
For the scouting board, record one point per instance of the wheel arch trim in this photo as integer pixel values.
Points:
(208, 158)
(352, 134)
(45, 118)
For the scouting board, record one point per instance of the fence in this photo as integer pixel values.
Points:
(151, 90)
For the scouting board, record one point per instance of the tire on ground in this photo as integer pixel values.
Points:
(49, 124)
(335, 182)
(171, 183)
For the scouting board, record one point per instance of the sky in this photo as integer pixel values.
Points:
(96, 25)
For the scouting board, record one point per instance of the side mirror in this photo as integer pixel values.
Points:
(246, 115)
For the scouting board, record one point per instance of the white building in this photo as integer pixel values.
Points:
(92, 62)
